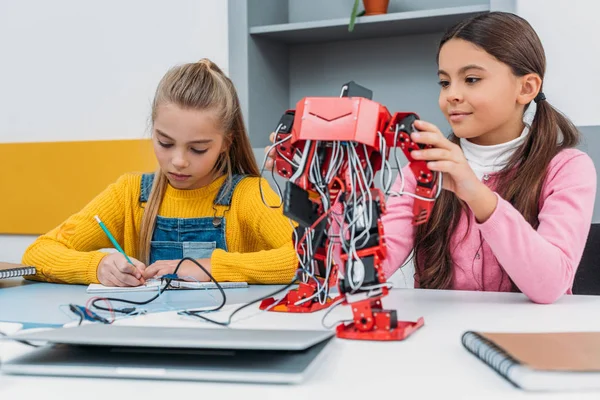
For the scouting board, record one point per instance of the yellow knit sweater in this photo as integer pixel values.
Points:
(259, 238)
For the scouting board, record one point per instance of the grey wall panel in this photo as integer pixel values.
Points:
(591, 145)
(312, 10)
(267, 12)
(268, 88)
(504, 5)
(258, 68)
(238, 50)
(402, 72)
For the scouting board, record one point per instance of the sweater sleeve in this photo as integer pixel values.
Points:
(68, 253)
(542, 263)
(398, 229)
(275, 260)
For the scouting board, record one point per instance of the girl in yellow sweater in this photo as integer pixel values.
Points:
(204, 202)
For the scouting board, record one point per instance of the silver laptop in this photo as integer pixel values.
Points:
(235, 355)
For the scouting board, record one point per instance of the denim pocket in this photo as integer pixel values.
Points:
(198, 250)
(161, 250)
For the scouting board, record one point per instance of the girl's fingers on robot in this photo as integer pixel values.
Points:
(270, 160)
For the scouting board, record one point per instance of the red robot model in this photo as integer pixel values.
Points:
(329, 149)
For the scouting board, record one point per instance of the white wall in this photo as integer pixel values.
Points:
(569, 33)
(83, 70)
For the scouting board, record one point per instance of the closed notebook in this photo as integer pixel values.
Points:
(9, 270)
(541, 361)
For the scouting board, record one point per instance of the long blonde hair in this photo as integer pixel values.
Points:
(200, 86)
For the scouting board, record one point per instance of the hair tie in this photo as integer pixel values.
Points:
(205, 61)
(540, 97)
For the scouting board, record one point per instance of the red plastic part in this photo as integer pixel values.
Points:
(424, 176)
(377, 252)
(422, 208)
(345, 119)
(285, 149)
(288, 303)
(401, 332)
(371, 322)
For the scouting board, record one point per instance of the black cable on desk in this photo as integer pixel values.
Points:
(193, 313)
(130, 310)
(196, 313)
(75, 309)
(20, 341)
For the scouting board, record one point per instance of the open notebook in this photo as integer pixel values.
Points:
(154, 285)
(541, 361)
(10, 270)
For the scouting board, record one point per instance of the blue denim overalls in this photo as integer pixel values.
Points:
(176, 238)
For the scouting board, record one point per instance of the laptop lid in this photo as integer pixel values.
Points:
(200, 338)
(232, 355)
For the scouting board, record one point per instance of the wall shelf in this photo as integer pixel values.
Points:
(283, 50)
(378, 26)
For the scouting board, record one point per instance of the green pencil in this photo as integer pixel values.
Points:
(112, 239)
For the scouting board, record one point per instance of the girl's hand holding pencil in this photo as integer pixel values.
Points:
(115, 270)
(118, 269)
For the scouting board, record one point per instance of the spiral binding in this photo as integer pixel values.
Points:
(489, 353)
(14, 272)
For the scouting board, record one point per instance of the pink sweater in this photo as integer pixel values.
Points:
(541, 263)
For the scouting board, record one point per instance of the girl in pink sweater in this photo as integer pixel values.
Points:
(518, 198)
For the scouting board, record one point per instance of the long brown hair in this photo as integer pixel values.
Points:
(200, 86)
(511, 40)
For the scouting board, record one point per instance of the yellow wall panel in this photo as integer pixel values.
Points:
(44, 183)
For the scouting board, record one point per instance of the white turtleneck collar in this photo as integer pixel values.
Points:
(485, 160)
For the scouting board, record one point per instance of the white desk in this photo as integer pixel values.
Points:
(431, 364)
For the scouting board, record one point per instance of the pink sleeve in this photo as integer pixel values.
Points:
(542, 262)
(398, 229)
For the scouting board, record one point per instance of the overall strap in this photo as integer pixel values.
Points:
(225, 194)
(146, 187)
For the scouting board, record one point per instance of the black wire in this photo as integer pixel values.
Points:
(20, 341)
(196, 313)
(81, 316)
(82, 312)
(279, 192)
(168, 282)
(27, 343)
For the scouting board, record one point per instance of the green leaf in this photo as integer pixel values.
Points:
(353, 16)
